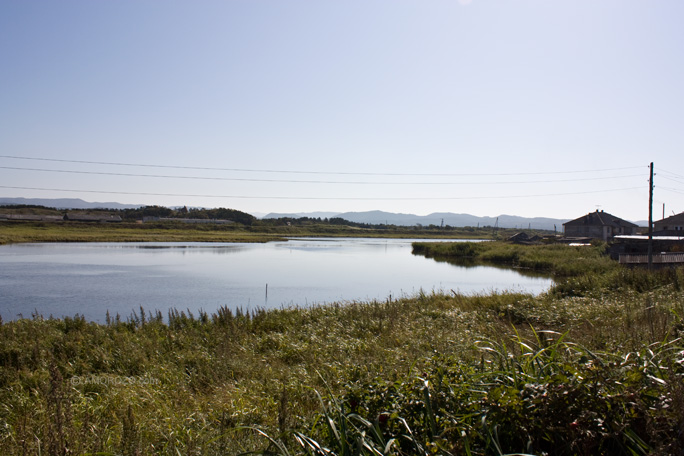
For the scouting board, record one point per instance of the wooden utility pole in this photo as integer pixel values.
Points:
(650, 220)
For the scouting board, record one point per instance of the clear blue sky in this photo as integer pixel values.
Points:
(487, 107)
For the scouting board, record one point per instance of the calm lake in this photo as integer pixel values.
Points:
(90, 278)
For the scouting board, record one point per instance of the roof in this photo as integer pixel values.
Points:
(601, 219)
(522, 236)
(674, 219)
(641, 237)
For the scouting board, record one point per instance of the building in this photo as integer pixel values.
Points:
(148, 219)
(32, 217)
(638, 245)
(598, 225)
(97, 218)
(673, 225)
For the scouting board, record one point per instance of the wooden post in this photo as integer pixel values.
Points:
(650, 220)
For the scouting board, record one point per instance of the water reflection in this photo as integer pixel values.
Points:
(470, 263)
(89, 279)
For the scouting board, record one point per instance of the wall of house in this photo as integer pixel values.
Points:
(592, 231)
(597, 232)
(674, 223)
(668, 226)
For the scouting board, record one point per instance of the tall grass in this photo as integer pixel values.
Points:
(540, 395)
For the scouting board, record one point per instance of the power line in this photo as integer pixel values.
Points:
(672, 174)
(101, 173)
(251, 170)
(674, 179)
(674, 190)
(320, 197)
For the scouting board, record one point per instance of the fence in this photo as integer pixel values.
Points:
(658, 258)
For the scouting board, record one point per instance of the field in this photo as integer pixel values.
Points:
(594, 366)
(16, 232)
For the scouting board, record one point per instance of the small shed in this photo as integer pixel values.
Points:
(519, 237)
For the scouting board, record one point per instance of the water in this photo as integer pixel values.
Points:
(90, 278)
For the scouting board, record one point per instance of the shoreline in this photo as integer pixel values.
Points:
(23, 232)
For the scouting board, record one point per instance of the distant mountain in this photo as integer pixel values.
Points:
(437, 218)
(381, 217)
(451, 219)
(66, 203)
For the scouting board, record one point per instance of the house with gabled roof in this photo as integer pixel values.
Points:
(673, 225)
(598, 225)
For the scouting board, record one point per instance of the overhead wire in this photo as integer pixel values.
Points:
(280, 197)
(255, 170)
(674, 179)
(674, 190)
(675, 175)
(403, 183)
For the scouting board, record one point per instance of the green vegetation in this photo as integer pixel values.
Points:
(595, 366)
(13, 232)
(173, 231)
(559, 259)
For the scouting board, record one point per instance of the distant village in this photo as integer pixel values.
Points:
(628, 242)
(73, 217)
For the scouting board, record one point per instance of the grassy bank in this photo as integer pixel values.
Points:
(17, 232)
(558, 259)
(598, 372)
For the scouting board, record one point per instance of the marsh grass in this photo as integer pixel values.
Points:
(23, 231)
(558, 259)
(591, 372)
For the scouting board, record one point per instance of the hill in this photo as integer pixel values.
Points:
(67, 203)
(436, 218)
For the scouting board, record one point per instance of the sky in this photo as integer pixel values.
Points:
(535, 108)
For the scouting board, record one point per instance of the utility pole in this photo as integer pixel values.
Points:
(650, 220)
